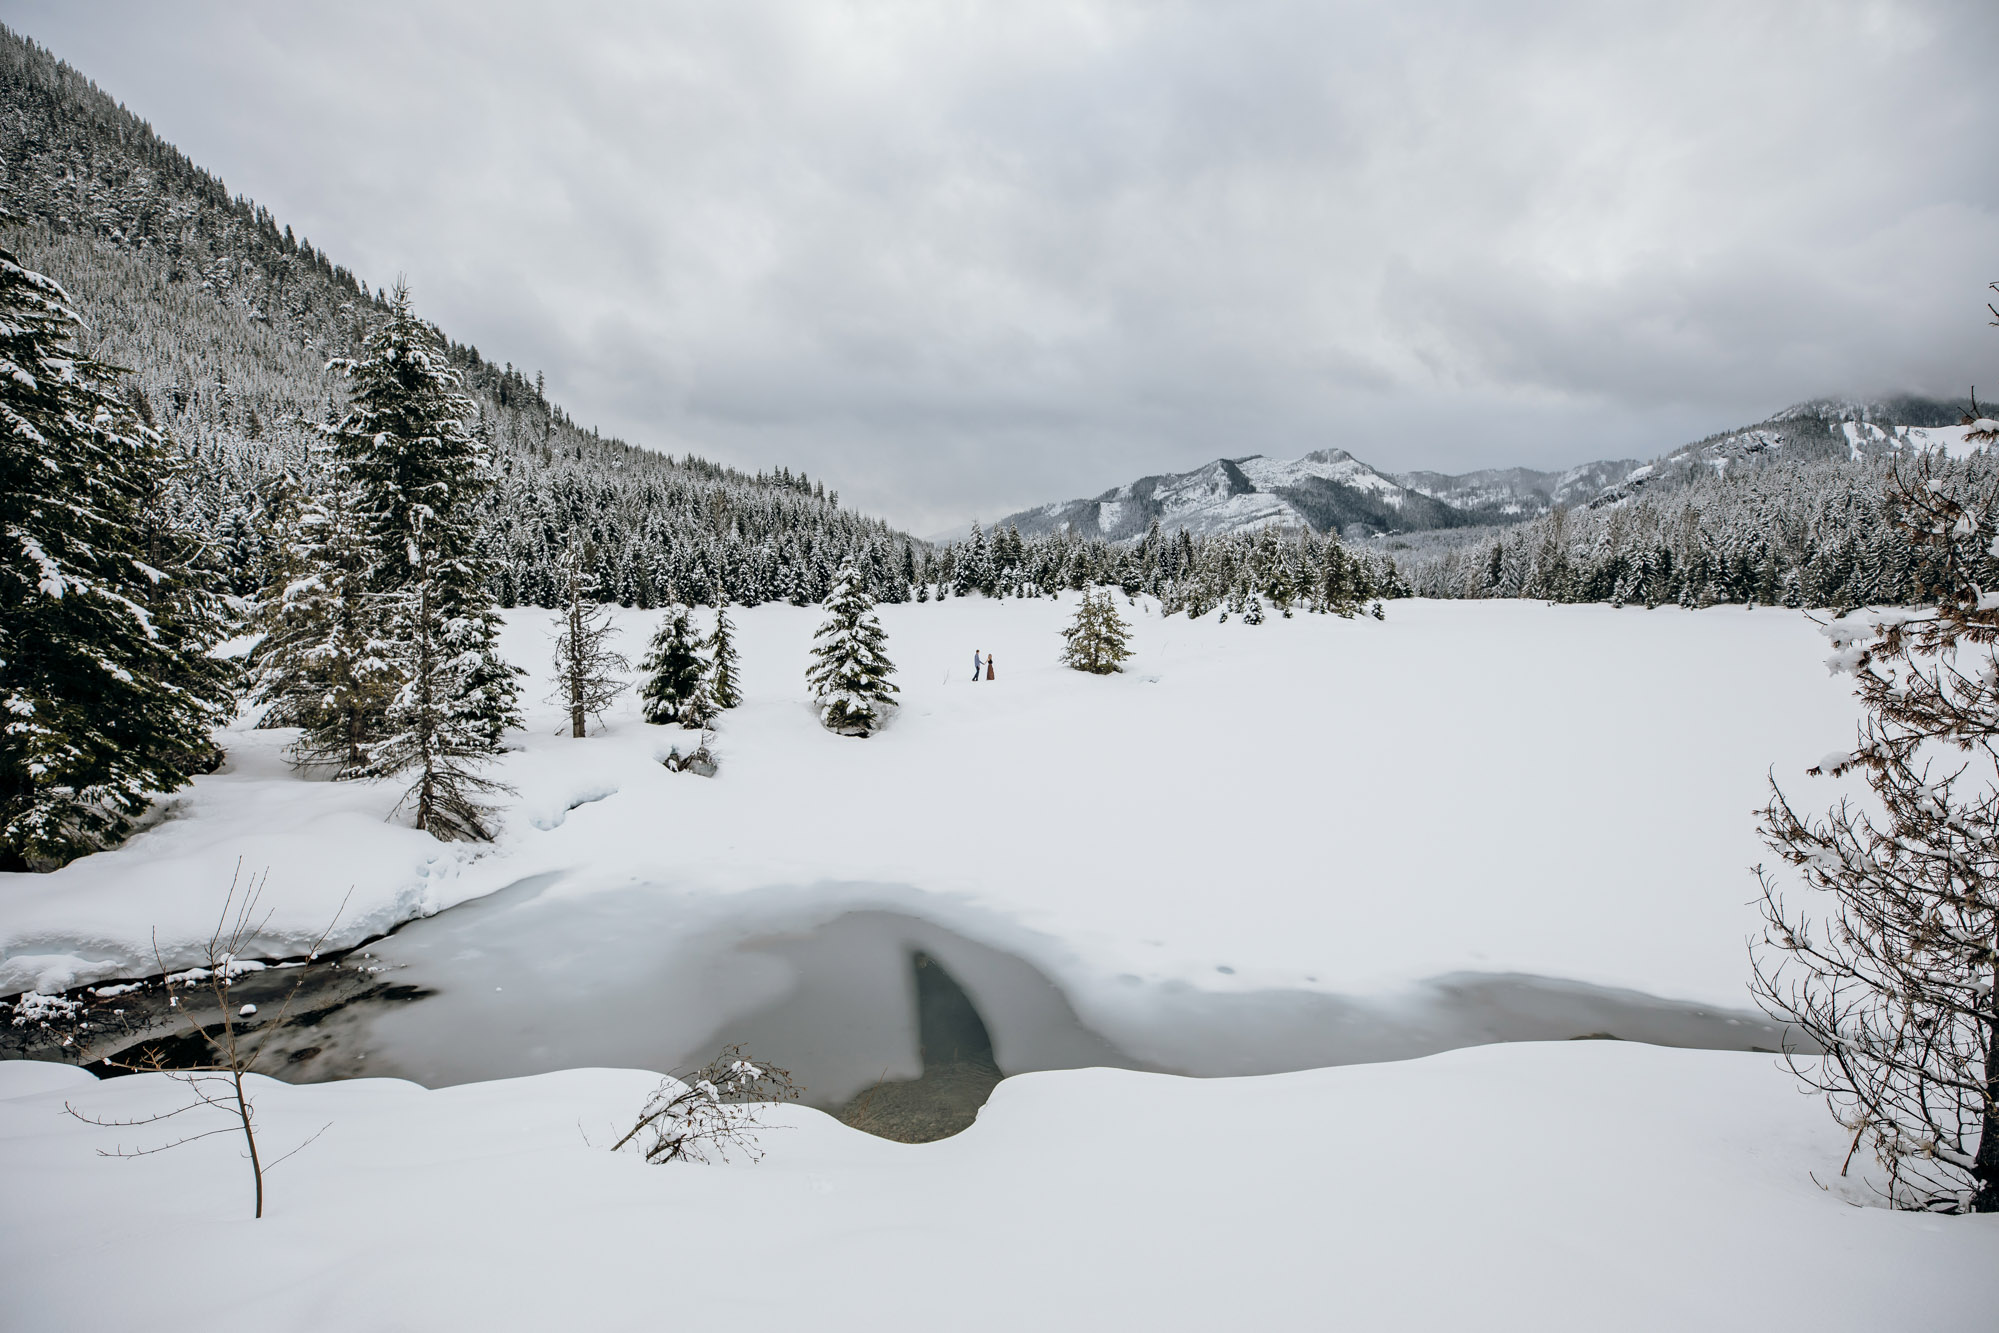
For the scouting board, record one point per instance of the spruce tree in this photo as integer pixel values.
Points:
(725, 687)
(673, 672)
(321, 664)
(584, 663)
(849, 672)
(417, 469)
(1097, 637)
(106, 614)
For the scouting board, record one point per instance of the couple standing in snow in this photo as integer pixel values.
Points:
(976, 665)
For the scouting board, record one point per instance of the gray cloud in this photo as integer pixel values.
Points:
(959, 258)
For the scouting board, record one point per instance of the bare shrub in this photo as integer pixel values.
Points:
(716, 1110)
(218, 1084)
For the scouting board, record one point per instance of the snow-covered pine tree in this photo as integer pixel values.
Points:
(673, 671)
(850, 670)
(724, 685)
(1097, 639)
(321, 665)
(585, 664)
(441, 720)
(105, 617)
(417, 467)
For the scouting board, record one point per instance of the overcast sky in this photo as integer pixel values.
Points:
(959, 258)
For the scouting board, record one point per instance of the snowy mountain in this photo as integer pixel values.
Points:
(1329, 490)
(1820, 431)
(1514, 494)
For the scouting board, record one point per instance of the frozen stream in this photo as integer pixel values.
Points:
(882, 1013)
(824, 982)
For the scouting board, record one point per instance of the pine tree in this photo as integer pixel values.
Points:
(584, 664)
(105, 613)
(673, 671)
(724, 686)
(1097, 637)
(417, 468)
(321, 665)
(441, 720)
(849, 672)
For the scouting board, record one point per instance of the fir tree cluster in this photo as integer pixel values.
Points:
(1239, 573)
(382, 635)
(107, 691)
(686, 679)
(1801, 534)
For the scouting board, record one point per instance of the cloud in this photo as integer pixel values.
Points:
(960, 258)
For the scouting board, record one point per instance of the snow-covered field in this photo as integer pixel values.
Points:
(1546, 1186)
(1338, 811)
(1314, 803)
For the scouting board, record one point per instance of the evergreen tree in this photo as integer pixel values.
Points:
(417, 468)
(321, 665)
(849, 672)
(1097, 638)
(584, 663)
(725, 688)
(105, 614)
(441, 721)
(673, 671)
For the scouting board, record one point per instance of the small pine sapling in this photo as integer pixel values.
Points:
(1097, 639)
(724, 674)
(673, 671)
(850, 669)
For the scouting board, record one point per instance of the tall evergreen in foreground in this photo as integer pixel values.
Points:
(416, 470)
(850, 669)
(1097, 637)
(105, 619)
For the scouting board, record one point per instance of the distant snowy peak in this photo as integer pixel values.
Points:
(1326, 490)
(1515, 494)
(1331, 490)
(1824, 430)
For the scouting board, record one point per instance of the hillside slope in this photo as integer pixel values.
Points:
(226, 321)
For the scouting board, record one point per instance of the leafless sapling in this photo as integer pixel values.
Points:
(235, 1049)
(1893, 976)
(584, 663)
(716, 1109)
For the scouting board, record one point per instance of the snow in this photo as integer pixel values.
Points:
(1371, 805)
(1557, 1186)
(1952, 440)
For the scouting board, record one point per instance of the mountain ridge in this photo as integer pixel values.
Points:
(1330, 490)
